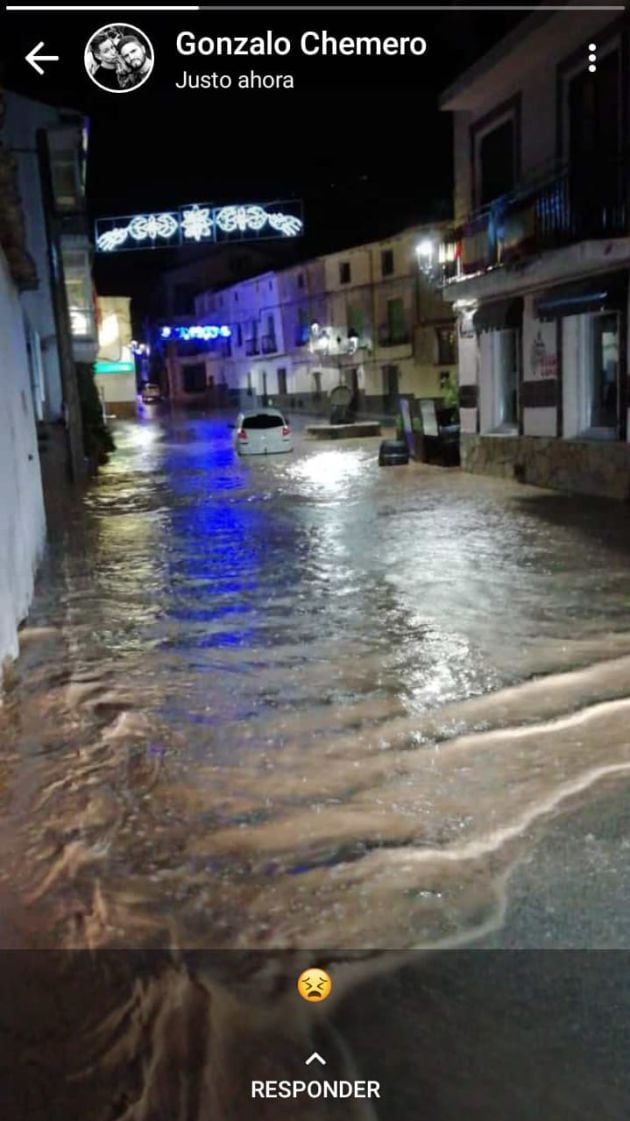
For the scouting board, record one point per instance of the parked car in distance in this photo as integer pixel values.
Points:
(393, 452)
(151, 393)
(262, 432)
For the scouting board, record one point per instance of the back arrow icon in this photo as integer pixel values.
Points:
(34, 59)
(317, 1056)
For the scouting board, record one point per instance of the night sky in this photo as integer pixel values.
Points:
(360, 141)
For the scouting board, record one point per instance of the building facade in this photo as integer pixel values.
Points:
(541, 254)
(115, 366)
(41, 167)
(367, 317)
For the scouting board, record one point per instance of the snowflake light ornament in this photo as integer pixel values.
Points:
(196, 224)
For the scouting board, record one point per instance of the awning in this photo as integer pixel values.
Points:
(608, 292)
(499, 315)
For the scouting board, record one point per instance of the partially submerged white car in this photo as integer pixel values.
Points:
(262, 432)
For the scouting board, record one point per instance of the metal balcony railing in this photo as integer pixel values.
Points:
(268, 344)
(574, 203)
(251, 346)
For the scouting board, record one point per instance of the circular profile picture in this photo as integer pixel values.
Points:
(118, 58)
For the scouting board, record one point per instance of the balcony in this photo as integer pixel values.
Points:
(251, 347)
(268, 344)
(566, 207)
(302, 336)
(389, 337)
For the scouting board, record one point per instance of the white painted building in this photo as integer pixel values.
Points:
(41, 199)
(542, 253)
(366, 316)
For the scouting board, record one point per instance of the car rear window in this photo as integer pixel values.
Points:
(263, 420)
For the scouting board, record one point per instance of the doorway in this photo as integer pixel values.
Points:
(602, 402)
(507, 360)
(390, 389)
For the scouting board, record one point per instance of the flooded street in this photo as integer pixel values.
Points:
(309, 709)
(306, 701)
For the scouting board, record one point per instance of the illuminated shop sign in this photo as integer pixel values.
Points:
(199, 331)
(114, 367)
(200, 222)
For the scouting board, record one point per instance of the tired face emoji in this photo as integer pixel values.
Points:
(314, 985)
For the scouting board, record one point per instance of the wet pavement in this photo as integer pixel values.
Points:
(310, 705)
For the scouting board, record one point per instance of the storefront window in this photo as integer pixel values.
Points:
(79, 293)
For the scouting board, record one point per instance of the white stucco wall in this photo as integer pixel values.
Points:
(22, 518)
(540, 422)
(22, 120)
(486, 382)
(468, 353)
(116, 387)
(571, 365)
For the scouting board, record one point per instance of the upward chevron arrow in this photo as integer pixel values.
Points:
(317, 1056)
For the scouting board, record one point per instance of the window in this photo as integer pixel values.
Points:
(282, 381)
(497, 162)
(263, 420)
(303, 331)
(446, 346)
(66, 181)
(79, 292)
(596, 179)
(396, 321)
(390, 388)
(300, 280)
(387, 262)
(317, 381)
(33, 348)
(194, 378)
(355, 321)
(239, 335)
(345, 274)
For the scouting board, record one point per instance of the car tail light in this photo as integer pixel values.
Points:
(242, 434)
(286, 431)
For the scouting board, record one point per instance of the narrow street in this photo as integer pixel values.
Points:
(307, 701)
(306, 709)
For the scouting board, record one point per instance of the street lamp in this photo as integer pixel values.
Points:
(425, 253)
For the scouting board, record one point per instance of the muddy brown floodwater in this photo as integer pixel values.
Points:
(302, 703)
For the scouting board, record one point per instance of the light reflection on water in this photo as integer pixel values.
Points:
(255, 698)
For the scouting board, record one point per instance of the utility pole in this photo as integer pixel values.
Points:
(74, 422)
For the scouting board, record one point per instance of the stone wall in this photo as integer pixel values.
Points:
(574, 466)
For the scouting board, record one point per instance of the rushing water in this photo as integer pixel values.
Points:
(304, 701)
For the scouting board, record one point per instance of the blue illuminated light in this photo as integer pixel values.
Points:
(205, 331)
